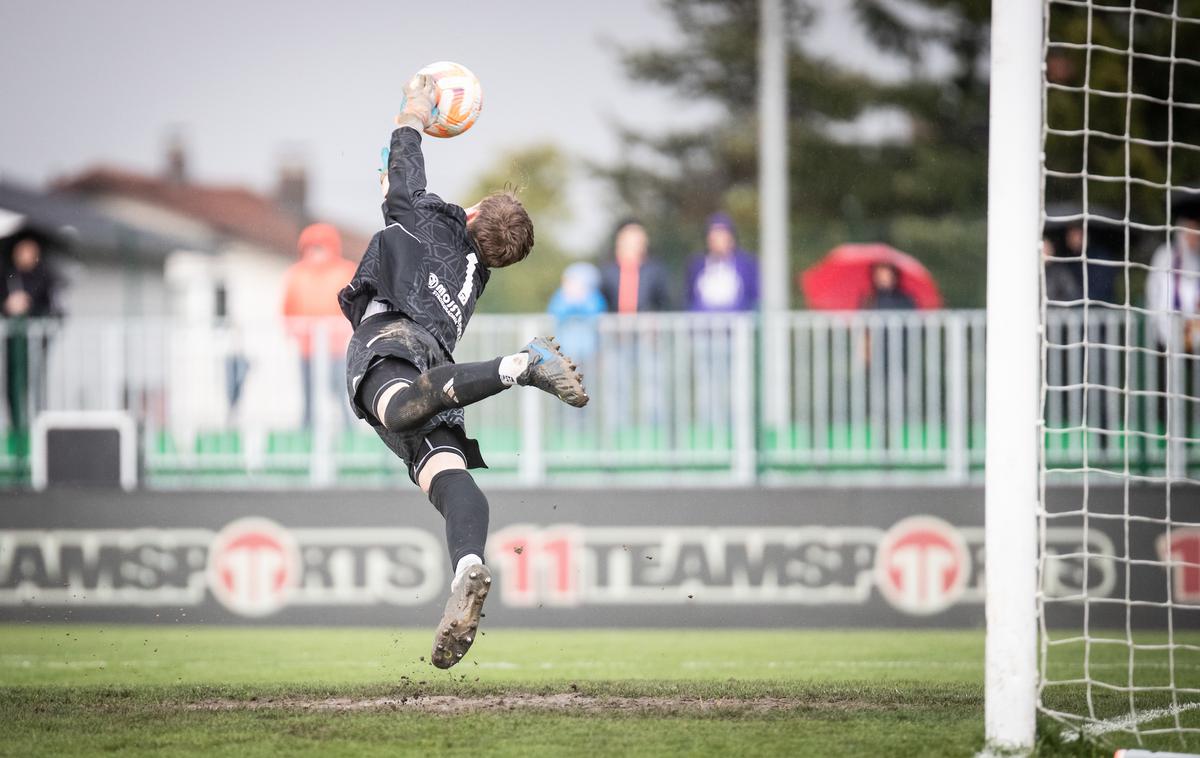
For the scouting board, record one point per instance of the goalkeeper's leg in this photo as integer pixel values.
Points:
(453, 491)
(403, 399)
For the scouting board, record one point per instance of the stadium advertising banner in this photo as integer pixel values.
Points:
(769, 557)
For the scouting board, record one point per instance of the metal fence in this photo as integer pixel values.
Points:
(861, 394)
(1118, 403)
(864, 397)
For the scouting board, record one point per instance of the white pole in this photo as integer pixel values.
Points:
(743, 467)
(773, 199)
(1013, 359)
(531, 468)
(773, 156)
(322, 467)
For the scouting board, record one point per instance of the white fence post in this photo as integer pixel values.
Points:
(742, 397)
(531, 468)
(323, 468)
(956, 399)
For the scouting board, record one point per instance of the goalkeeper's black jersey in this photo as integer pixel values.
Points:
(423, 263)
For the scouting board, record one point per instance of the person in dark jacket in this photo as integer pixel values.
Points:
(27, 291)
(409, 303)
(886, 294)
(634, 282)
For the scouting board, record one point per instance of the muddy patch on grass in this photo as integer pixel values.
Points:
(565, 702)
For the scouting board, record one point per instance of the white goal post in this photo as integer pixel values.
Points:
(1013, 346)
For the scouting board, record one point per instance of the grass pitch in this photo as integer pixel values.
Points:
(173, 690)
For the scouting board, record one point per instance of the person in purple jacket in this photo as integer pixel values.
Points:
(724, 278)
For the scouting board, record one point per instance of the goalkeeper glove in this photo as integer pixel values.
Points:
(418, 109)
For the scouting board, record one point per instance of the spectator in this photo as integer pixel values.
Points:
(310, 298)
(724, 278)
(886, 294)
(633, 282)
(27, 291)
(575, 306)
(1064, 289)
(1173, 298)
(631, 373)
(1064, 282)
(884, 346)
(1067, 262)
(1101, 279)
(1173, 285)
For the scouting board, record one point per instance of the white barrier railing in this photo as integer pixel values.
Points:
(864, 397)
(899, 391)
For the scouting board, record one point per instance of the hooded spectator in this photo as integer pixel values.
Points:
(310, 302)
(724, 278)
(575, 306)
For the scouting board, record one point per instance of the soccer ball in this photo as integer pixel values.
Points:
(460, 98)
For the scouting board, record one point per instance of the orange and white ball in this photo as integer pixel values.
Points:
(460, 98)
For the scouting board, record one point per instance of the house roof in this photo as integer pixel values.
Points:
(230, 211)
(77, 226)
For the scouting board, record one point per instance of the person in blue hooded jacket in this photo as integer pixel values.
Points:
(575, 306)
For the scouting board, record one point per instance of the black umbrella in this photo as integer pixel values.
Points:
(1185, 205)
(1105, 227)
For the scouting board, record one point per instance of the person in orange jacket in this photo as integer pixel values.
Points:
(310, 303)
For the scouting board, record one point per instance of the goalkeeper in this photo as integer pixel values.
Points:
(409, 302)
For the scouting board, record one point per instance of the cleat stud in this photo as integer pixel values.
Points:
(474, 575)
(487, 580)
(460, 655)
(453, 623)
(467, 640)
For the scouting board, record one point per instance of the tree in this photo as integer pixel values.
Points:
(1115, 153)
(843, 188)
(537, 173)
(1124, 136)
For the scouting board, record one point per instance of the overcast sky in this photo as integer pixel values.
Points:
(246, 83)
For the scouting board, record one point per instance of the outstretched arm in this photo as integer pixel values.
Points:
(406, 175)
(406, 163)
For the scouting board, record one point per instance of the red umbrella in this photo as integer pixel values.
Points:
(841, 281)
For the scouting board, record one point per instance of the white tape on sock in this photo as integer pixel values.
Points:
(512, 366)
(385, 396)
(464, 563)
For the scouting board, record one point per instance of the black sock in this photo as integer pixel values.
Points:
(438, 389)
(460, 501)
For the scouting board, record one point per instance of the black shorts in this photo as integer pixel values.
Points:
(392, 335)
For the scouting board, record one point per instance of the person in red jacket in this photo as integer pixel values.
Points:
(310, 306)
